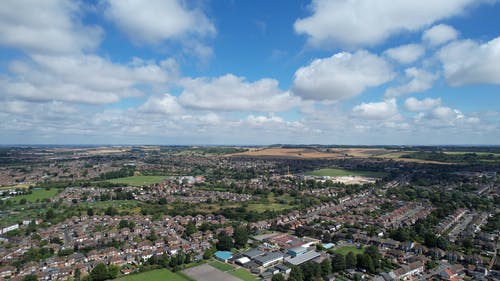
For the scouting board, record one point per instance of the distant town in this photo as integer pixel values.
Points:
(249, 213)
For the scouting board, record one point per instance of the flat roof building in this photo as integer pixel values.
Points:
(298, 260)
(269, 259)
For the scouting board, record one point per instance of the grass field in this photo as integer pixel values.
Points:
(346, 249)
(243, 274)
(342, 172)
(260, 207)
(155, 275)
(221, 266)
(14, 186)
(240, 273)
(38, 194)
(138, 180)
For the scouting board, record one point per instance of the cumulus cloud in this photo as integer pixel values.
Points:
(367, 22)
(413, 104)
(233, 93)
(79, 78)
(376, 110)
(46, 27)
(406, 54)
(419, 81)
(341, 76)
(158, 20)
(165, 104)
(443, 116)
(439, 34)
(469, 62)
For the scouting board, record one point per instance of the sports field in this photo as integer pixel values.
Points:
(138, 180)
(38, 194)
(155, 275)
(346, 249)
(342, 172)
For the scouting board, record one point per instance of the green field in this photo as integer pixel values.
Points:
(155, 275)
(342, 172)
(346, 249)
(240, 273)
(243, 274)
(38, 194)
(260, 207)
(221, 266)
(138, 180)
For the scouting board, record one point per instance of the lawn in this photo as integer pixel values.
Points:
(139, 180)
(243, 274)
(342, 172)
(260, 207)
(154, 275)
(221, 266)
(346, 249)
(37, 194)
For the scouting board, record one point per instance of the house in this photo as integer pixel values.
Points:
(448, 274)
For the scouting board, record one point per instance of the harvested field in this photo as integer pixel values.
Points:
(304, 153)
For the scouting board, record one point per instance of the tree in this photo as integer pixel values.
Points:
(111, 211)
(90, 212)
(225, 243)
(190, 229)
(338, 263)
(240, 237)
(99, 272)
(365, 261)
(326, 268)
(350, 261)
(296, 274)
(152, 236)
(31, 277)
(123, 224)
(50, 215)
(78, 274)
(278, 277)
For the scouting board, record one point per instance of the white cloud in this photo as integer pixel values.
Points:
(263, 120)
(468, 62)
(165, 104)
(154, 21)
(413, 104)
(367, 22)
(419, 81)
(377, 110)
(406, 54)
(232, 93)
(341, 76)
(443, 116)
(439, 34)
(46, 27)
(80, 78)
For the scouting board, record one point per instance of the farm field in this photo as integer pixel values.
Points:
(346, 249)
(155, 275)
(138, 180)
(342, 172)
(305, 153)
(38, 194)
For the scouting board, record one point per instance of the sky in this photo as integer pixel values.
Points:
(237, 72)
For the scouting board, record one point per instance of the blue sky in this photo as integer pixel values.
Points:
(249, 72)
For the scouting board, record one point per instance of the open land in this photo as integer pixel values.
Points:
(155, 275)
